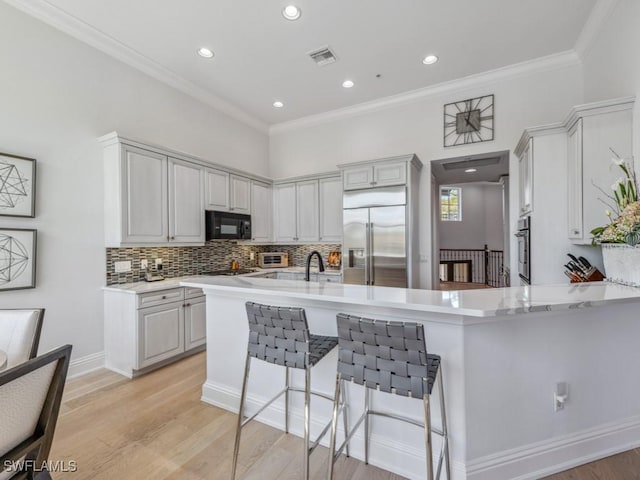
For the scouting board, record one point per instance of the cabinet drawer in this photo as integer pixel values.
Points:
(330, 278)
(163, 296)
(192, 292)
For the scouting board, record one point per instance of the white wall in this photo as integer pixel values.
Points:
(481, 219)
(416, 127)
(58, 96)
(612, 64)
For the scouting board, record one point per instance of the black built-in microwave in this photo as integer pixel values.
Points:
(227, 226)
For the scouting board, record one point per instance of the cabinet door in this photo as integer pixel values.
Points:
(195, 321)
(330, 209)
(601, 134)
(160, 333)
(307, 214)
(285, 212)
(357, 177)
(387, 174)
(526, 179)
(574, 181)
(240, 195)
(186, 202)
(144, 189)
(261, 212)
(216, 190)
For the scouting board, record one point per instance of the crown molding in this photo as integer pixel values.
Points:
(601, 12)
(73, 26)
(486, 79)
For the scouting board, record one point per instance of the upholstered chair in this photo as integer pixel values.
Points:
(20, 334)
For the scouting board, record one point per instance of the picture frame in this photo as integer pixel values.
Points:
(18, 248)
(17, 186)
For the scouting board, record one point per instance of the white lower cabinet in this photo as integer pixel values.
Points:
(144, 331)
(160, 333)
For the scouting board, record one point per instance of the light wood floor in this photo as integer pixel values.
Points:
(156, 427)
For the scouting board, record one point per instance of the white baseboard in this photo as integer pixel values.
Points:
(402, 459)
(544, 458)
(86, 364)
(529, 462)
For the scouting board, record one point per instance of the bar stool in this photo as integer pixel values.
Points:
(280, 335)
(390, 357)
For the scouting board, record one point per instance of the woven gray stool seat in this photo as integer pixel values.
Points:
(280, 335)
(389, 357)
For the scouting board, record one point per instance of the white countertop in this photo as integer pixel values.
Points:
(146, 287)
(477, 303)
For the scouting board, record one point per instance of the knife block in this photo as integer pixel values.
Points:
(596, 276)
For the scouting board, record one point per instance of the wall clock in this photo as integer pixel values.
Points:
(468, 121)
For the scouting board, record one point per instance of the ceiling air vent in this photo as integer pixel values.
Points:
(322, 56)
(480, 162)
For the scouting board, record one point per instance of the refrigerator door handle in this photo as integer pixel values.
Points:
(367, 254)
(371, 267)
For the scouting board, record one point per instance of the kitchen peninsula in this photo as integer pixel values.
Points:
(503, 352)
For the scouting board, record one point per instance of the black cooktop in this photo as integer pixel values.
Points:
(230, 272)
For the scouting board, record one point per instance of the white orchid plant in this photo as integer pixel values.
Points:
(623, 207)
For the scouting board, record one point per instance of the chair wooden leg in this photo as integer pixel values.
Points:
(286, 401)
(445, 433)
(307, 420)
(334, 427)
(236, 447)
(427, 435)
(367, 403)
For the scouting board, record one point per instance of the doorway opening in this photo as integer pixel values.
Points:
(470, 221)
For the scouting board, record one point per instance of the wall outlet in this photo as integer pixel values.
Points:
(121, 267)
(560, 396)
(252, 255)
(144, 264)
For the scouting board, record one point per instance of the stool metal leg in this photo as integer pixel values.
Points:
(445, 434)
(367, 405)
(334, 426)
(236, 447)
(427, 434)
(343, 392)
(307, 420)
(286, 401)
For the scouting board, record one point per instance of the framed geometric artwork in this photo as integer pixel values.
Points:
(17, 258)
(17, 186)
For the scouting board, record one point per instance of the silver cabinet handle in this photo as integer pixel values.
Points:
(173, 238)
(164, 297)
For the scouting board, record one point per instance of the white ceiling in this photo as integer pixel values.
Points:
(487, 173)
(261, 57)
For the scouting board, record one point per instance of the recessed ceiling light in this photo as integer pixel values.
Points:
(205, 52)
(278, 104)
(348, 84)
(291, 12)
(470, 170)
(430, 59)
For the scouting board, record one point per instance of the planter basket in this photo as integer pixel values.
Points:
(622, 263)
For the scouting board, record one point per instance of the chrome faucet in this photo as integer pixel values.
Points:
(308, 268)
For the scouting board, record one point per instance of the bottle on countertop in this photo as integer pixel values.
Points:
(235, 265)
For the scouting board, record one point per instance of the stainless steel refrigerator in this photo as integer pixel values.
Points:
(375, 237)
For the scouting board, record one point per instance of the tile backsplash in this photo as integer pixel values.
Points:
(214, 255)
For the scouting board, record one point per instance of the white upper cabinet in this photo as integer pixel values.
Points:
(330, 209)
(186, 205)
(597, 130)
(387, 174)
(216, 190)
(144, 197)
(261, 212)
(574, 181)
(285, 212)
(240, 189)
(308, 227)
(358, 177)
(525, 177)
